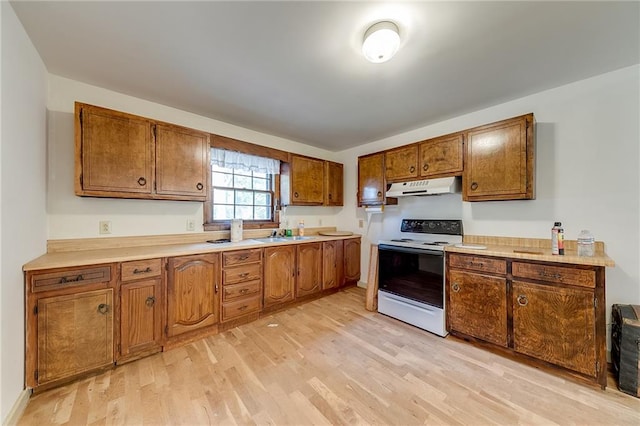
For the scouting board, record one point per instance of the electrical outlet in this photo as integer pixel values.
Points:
(360, 223)
(105, 227)
(191, 225)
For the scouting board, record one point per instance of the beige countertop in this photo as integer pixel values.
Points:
(122, 254)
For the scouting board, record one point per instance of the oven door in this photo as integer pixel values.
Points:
(416, 274)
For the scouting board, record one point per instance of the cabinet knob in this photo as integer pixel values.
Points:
(379, 193)
(199, 186)
(295, 194)
(150, 301)
(142, 181)
(329, 196)
(455, 287)
(522, 300)
(474, 186)
(425, 167)
(103, 308)
(412, 169)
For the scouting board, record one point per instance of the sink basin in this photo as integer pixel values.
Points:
(298, 238)
(271, 239)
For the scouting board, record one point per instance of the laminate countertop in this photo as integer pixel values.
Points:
(123, 254)
(529, 249)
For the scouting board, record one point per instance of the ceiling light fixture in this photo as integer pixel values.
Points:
(381, 42)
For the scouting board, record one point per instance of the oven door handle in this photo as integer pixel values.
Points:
(410, 250)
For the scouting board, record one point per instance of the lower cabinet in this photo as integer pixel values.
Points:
(351, 260)
(309, 280)
(548, 311)
(193, 302)
(332, 264)
(241, 283)
(279, 275)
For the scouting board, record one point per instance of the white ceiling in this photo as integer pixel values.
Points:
(295, 70)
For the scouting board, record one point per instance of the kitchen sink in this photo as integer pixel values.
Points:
(271, 239)
(298, 238)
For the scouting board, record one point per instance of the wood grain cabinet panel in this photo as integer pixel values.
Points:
(478, 306)
(372, 185)
(401, 164)
(303, 181)
(555, 324)
(570, 275)
(478, 263)
(75, 334)
(279, 275)
(332, 264)
(499, 161)
(140, 317)
(192, 291)
(140, 269)
(351, 260)
(309, 280)
(334, 184)
(441, 157)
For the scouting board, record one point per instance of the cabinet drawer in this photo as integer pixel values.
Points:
(239, 308)
(231, 292)
(241, 256)
(70, 278)
(478, 263)
(555, 274)
(139, 269)
(242, 273)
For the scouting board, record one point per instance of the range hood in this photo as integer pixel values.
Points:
(448, 185)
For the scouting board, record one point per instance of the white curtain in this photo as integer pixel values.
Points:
(238, 160)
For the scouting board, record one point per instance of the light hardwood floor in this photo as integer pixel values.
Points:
(329, 362)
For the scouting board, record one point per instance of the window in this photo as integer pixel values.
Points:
(241, 194)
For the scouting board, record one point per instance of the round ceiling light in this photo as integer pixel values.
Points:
(381, 42)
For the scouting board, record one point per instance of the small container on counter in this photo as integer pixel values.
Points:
(586, 243)
(301, 228)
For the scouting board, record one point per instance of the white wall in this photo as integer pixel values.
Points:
(23, 192)
(75, 217)
(588, 138)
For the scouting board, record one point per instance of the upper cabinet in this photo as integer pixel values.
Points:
(499, 161)
(401, 163)
(120, 155)
(372, 184)
(307, 181)
(441, 156)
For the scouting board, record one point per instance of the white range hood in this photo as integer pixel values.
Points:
(448, 185)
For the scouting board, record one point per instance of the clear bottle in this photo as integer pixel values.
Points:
(586, 243)
(555, 249)
(301, 228)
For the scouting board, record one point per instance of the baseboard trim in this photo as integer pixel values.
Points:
(361, 284)
(18, 408)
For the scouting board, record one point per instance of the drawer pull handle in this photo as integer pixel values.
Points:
(330, 196)
(425, 167)
(150, 301)
(142, 271)
(478, 264)
(142, 181)
(65, 280)
(103, 308)
(243, 307)
(522, 300)
(244, 257)
(199, 186)
(545, 274)
(474, 186)
(244, 275)
(455, 287)
(244, 291)
(412, 169)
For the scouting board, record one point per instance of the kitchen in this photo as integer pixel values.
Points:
(587, 177)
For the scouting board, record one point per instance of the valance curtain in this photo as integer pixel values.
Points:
(238, 160)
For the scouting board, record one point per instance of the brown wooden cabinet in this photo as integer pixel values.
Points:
(192, 293)
(372, 186)
(140, 309)
(548, 311)
(351, 260)
(332, 264)
(499, 161)
(309, 269)
(69, 321)
(279, 275)
(401, 164)
(121, 155)
(334, 184)
(302, 181)
(241, 283)
(441, 156)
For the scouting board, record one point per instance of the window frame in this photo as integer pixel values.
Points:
(222, 142)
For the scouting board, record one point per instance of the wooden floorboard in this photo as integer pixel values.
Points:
(325, 362)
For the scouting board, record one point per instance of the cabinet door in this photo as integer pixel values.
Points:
(478, 306)
(307, 181)
(371, 183)
(192, 289)
(309, 269)
(114, 152)
(279, 274)
(182, 162)
(140, 317)
(401, 163)
(75, 334)
(499, 161)
(441, 156)
(334, 184)
(556, 324)
(332, 264)
(351, 260)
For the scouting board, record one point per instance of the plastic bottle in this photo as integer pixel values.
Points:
(586, 243)
(560, 241)
(301, 228)
(555, 249)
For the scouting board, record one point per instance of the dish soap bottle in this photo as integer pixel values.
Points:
(557, 238)
(301, 228)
